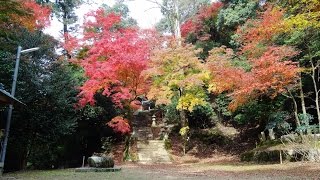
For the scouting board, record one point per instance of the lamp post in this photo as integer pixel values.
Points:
(13, 90)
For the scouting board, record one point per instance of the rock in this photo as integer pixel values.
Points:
(271, 134)
(100, 162)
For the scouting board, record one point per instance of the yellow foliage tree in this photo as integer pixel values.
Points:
(303, 14)
(176, 71)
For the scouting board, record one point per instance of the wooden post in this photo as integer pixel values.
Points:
(83, 161)
(271, 134)
(280, 157)
(263, 136)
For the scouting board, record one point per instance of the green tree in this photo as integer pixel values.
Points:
(48, 89)
(121, 9)
(176, 12)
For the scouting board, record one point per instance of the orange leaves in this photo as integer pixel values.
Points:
(224, 76)
(120, 125)
(270, 75)
(40, 14)
(32, 15)
(272, 72)
(259, 32)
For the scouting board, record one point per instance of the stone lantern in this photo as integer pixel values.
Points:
(154, 127)
(154, 124)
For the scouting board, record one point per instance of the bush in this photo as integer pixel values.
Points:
(201, 117)
(278, 122)
(306, 120)
(211, 136)
(167, 144)
(107, 144)
(171, 112)
(261, 156)
(46, 156)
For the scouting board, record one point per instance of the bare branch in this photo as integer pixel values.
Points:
(286, 96)
(151, 8)
(159, 4)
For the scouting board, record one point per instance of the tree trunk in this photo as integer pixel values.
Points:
(295, 110)
(315, 86)
(303, 104)
(177, 23)
(64, 18)
(184, 120)
(65, 26)
(316, 98)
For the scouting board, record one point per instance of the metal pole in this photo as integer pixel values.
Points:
(13, 91)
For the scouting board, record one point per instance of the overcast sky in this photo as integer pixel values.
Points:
(143, 11)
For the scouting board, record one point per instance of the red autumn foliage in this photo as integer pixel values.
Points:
(195, 25)
(70, 42)
(32, 15)
(120, 125)
(209, 11)
(135, 105)
(40, 14)
(114, 61)
(188, 27)
(271, 74)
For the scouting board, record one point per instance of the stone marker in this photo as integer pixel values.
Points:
(100, 162)
(271, 134)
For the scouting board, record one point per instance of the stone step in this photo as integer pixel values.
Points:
(143, 133)
(152, 152)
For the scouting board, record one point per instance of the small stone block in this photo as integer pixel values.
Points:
(92, 169)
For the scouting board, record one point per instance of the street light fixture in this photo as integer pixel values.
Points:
(13, 90)
(30, 50)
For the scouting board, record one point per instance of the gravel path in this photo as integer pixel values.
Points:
(190, 171)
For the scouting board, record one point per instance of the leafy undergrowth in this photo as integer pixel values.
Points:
(220, 144)
(117, 153)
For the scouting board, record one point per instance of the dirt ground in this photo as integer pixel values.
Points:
(199, 171)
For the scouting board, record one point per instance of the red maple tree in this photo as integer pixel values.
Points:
(29, 14)
(195, 25)
(120, 125)
(115, 58)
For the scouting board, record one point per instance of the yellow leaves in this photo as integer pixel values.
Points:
(177, 71)
(190, 100)
(184, 131)
(302, 21)
(212, 88)
(162, 94)
(305, 14)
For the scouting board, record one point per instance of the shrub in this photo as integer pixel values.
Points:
(278, 122)
(167, 144)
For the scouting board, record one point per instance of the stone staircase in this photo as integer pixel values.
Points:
(149, 151)
(152, 152)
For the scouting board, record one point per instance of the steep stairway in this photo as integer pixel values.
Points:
(152, 152)
(149, 151)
